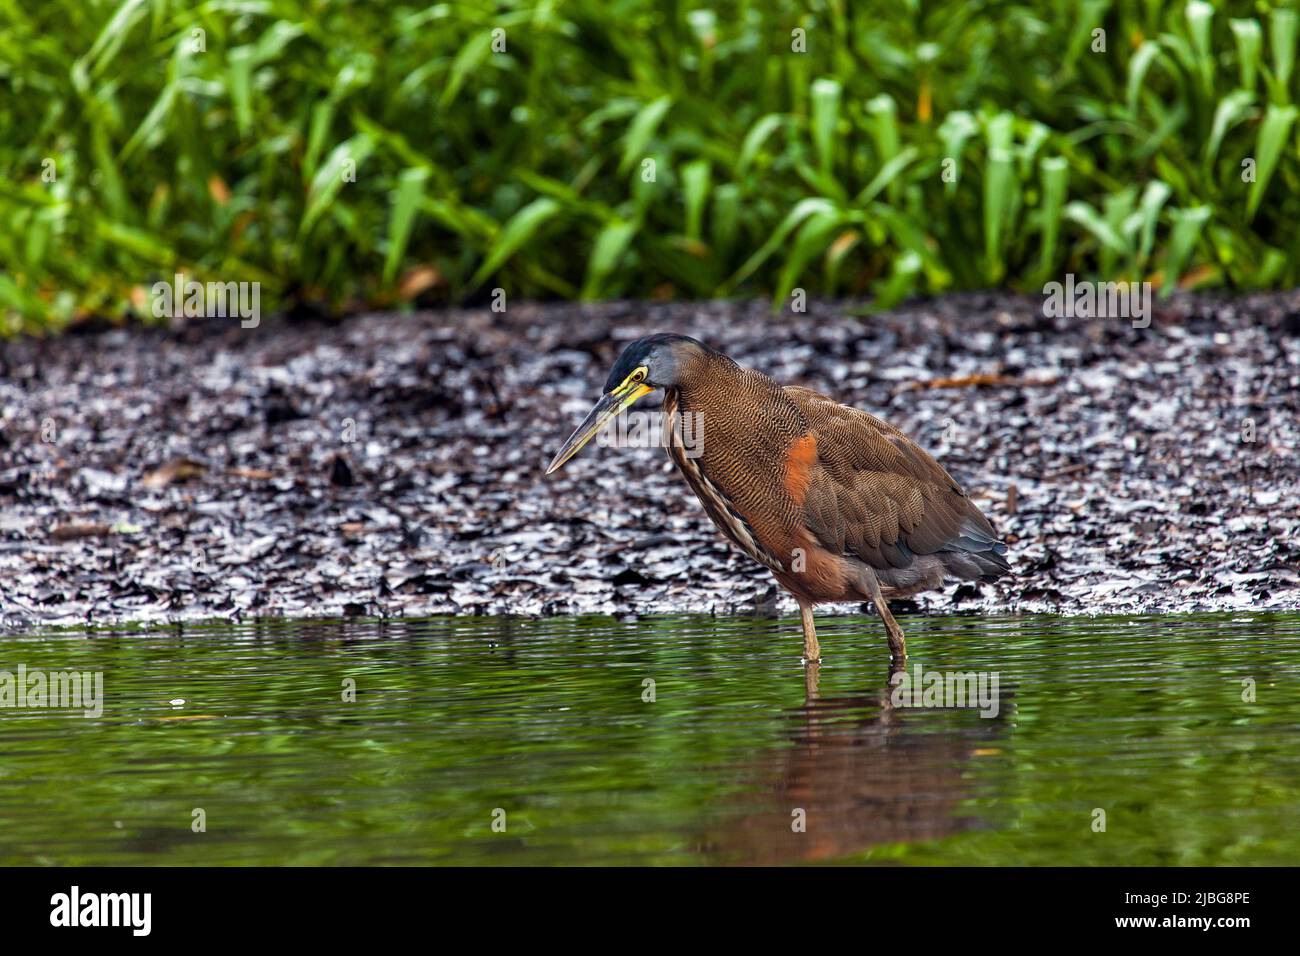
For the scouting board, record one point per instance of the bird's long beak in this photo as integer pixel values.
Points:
(606, 409)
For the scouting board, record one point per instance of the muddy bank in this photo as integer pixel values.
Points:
(393, 464)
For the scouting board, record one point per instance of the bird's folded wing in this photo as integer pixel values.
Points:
(875, 494)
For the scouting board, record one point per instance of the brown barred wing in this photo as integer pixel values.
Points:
(876, 495)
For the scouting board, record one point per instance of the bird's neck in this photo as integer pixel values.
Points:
(710, 381)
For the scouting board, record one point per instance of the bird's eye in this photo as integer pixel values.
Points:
(638, 375)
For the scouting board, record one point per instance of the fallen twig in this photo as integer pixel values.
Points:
(983, 380)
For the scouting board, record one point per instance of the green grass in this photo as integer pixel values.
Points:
(529, 169)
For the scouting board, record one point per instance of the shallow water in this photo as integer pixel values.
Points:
(544, 726)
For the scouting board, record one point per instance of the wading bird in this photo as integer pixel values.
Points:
(838, 504)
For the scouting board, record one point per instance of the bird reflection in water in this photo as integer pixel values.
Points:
(864, 773)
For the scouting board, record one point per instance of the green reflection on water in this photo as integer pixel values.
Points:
(456, 718)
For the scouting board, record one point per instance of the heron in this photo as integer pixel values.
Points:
(838, 504)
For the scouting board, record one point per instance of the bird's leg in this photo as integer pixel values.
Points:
(812, 673)
(897, 646)
(811, 651)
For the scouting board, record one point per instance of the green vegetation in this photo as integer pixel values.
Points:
(220, 138)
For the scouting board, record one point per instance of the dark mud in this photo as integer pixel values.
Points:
(393, 464)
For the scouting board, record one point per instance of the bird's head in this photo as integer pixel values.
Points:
(661, 360)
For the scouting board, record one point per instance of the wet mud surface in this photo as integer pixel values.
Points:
(392, 465)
